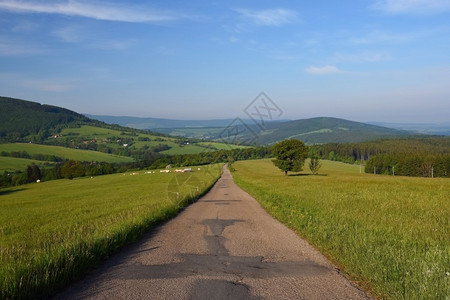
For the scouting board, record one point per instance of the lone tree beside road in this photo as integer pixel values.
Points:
(290, 155)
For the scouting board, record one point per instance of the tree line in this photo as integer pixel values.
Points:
(35, 156)
(361, 152)
(414, 156)
(417, 165)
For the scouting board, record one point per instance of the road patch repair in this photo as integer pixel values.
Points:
(224, 246)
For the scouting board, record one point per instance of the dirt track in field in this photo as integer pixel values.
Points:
(224, 246)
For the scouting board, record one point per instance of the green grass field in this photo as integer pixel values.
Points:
(90, 132)
(53, 231)
(75, 154)
(194, 132)
(389, 234)
(222, 146)
(11, 164)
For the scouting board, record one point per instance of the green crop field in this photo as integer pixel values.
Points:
(51, 232)
(75, 154)
(11, 163)
(390, 234)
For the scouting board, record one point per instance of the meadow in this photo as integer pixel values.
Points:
(68, 153)
(388, 234)
(139, 140)
(52, 232)
(10, 164)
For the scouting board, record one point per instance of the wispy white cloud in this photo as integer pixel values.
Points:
(269, 17)
(325, 70)
(362, 57)
(417, 7)
(93, 10)
(25, 26)
(378, 36)
(47, 85)
(114, 44)
(12, 47)
(77, 34)
(41, 84)
(386, 37)
(233, 39)
(283, 57)
(164, 50)
(69, 34)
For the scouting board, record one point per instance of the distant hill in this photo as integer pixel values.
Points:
(20, 118)
(325, 130)
(311, 131)
(423, 128)
(157, 123)
(166, 125)
(25, 124)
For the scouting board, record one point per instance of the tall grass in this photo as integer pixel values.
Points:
(390, 234)
(52, 232)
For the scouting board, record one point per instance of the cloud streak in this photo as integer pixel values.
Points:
(41, 84)
(325, 70)
(269, 17)
(92, 10)
(11, 47)
(418, 7)
(362, 57)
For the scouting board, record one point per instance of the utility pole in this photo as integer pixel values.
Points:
(393, 171)
(374, 171)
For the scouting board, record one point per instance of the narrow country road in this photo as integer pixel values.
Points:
(225, 246)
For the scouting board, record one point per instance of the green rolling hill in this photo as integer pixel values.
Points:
(20, 118)
(44, 130)
(325, 130)
(312, 131)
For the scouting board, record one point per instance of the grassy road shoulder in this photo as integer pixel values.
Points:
(388, 233)
(52, 232)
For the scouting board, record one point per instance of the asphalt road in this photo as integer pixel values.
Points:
(224, 246)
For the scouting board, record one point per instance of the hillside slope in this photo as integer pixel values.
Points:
(25, 124)
(20, 118)
(325, 130)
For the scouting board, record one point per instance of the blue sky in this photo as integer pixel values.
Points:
(367, 60)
